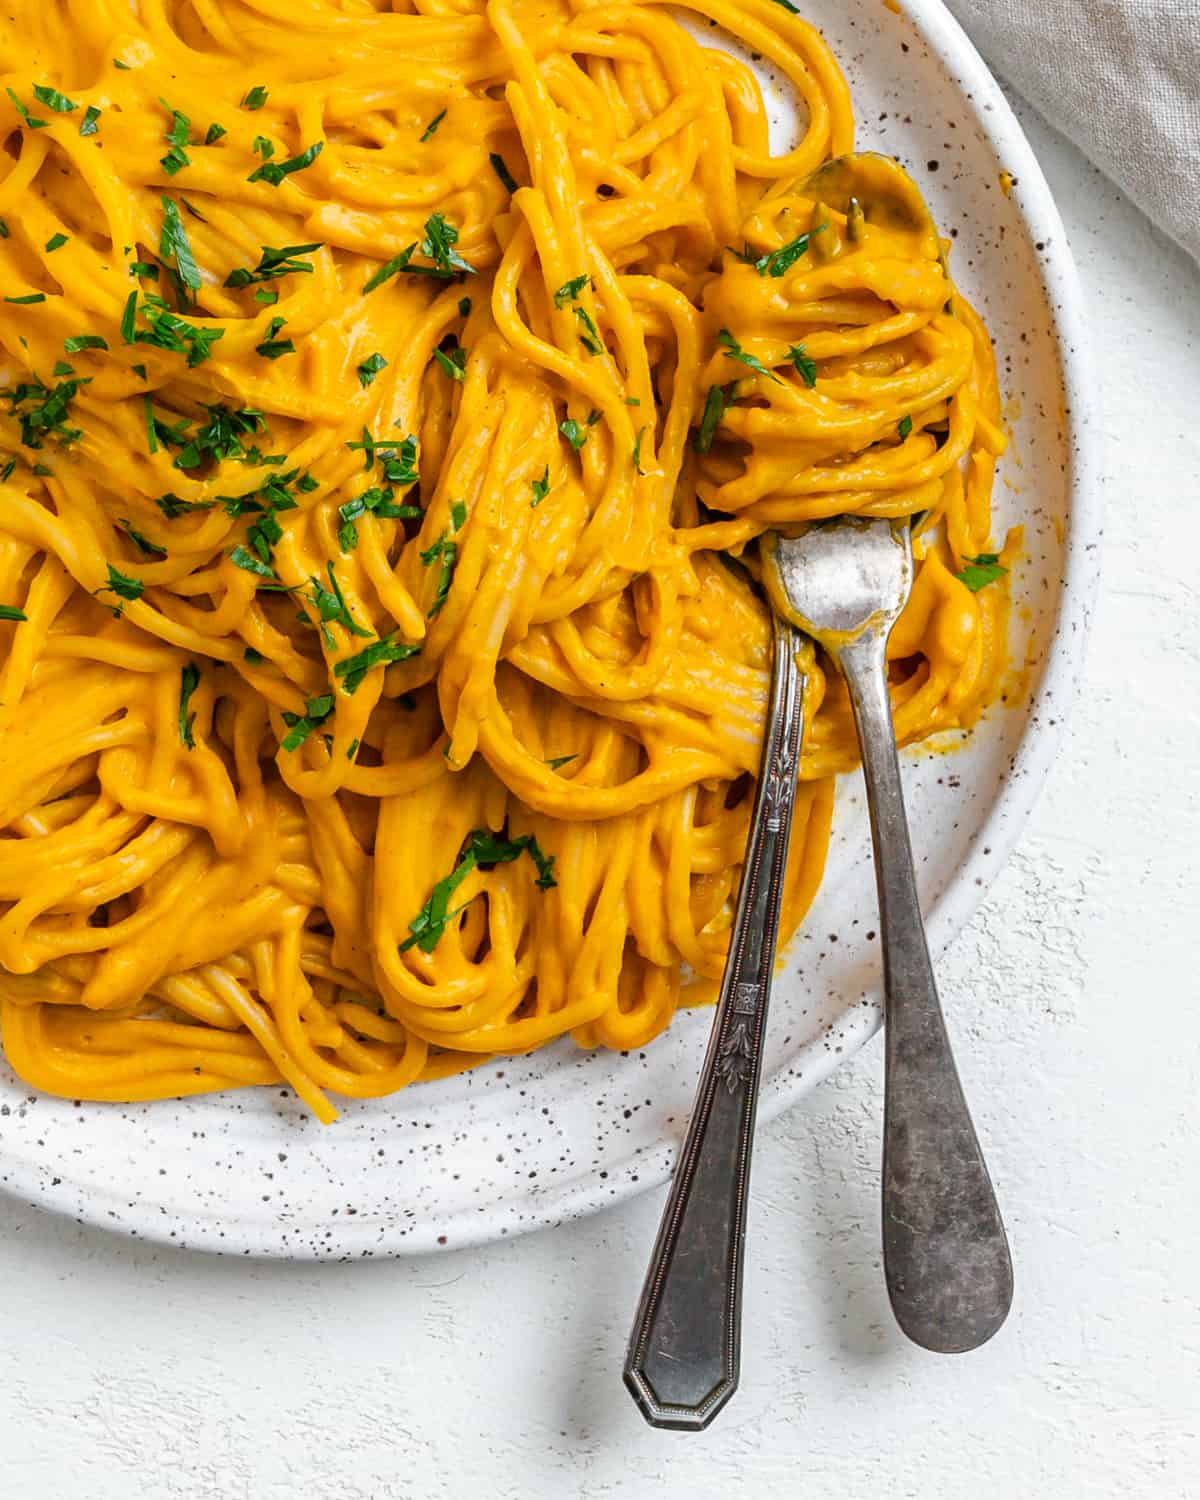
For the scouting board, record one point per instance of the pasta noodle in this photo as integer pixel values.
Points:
(391, 392)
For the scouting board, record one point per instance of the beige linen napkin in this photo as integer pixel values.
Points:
(1121, 78)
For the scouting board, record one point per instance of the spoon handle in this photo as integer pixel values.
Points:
(945, 1254)
(684, 1351)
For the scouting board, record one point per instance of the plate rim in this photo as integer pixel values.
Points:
(1005, 822)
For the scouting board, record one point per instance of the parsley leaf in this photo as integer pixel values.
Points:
(433, 125)
(214, 133)
(560, 760)
(121, 585)
(188, 683)
(573, 433)
(501, 170)
(256, 98)
(590, 338)
(718, 398)
(541, 488)
(353, 669)
(777, 262)
(330, 604)
(454, 363)
(29, 301)
(805, 367)
(480, 848)
(56, 242)
(904, 427)
(23, 111)
(52, 99)
(273, 263)
(80, 341)
(90, 124)
(174, 245)
(637, 451)
(275, 171)
(44, 410)
(734, 350)
(369, 368)
(570, 290)
(316, 711)
(272, 347)
(11, 612)
(981, 570)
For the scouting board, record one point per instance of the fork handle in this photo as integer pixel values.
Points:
(945, 1253)
(684, 1352)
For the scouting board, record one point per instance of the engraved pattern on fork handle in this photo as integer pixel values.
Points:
(684, 1352)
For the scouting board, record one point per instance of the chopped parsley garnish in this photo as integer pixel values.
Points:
(369, 368)
(90, 124)
(275, 171)
(166, 330)
(144, 270)
(272, 264)
(56, 242)
(214, 133)
(23, 111)
(252, 657)
(438, 245)
(52, 99)
(376, 501)
(445, 552)
(560, 760)
(787, 5)
(806, 368)
(44, 410)
(142, 543)
(981, 570)
(637, 451)
(330, 604)
(188, 683)
(353, 669)
(433, 125)
(272, 347)
(464, 306)
(29, 301)
(734, 350)
(904, 427)
(570, 290)
(174, 246)
(221, 437)
(507, 179)
(11, 612)
(718, 398)
(399, 460)
(541, 488)
(250, 564)
(172, 506)
(61, 368)
(121, 585)
(177, 138)
(453, 363)
(481, 848)
(573, 433)
(4, 232)
(777, 262)
(256, 98)
(316, 711)
(590, 338)
(123, 66)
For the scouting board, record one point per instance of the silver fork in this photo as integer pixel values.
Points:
(946, 1258)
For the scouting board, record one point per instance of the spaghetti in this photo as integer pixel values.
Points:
(387, 389)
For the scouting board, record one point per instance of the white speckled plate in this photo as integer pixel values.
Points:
(525, 1143)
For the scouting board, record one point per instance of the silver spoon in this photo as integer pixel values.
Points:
(946, 1257)
(945, 1253)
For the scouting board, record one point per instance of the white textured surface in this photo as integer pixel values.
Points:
(493, 1374)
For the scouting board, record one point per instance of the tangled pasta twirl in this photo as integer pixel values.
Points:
(389, 389)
